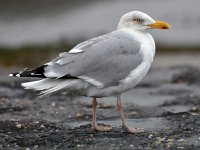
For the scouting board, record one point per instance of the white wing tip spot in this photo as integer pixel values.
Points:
(10, 75)
(18, 75)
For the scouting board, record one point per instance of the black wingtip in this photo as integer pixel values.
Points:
(38, 72)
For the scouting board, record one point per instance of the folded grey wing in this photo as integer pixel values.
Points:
(103, 61)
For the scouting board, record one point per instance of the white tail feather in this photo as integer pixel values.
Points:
(56, 87)
(39, 85)
(47, 86)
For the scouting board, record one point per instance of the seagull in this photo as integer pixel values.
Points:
(104, 66)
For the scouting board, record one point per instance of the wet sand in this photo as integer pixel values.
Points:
(166, 104)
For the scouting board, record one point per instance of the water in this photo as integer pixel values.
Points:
(43, 22)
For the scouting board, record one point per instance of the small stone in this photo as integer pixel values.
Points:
(181, 140)
(53, 104)
(170, 140)
(134, 113)
(79, 115)
(186, 129)
(18, 125)
(105, 106)
(150, 136)
(194, 108)
(36, 122)
(180, 147)
(42, 126)
(17, 101)
(170, 143)
(61, 108)
(163, 139)
(69, 116)
(79, 145)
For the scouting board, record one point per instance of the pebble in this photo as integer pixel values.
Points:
(134, 113)
(181, 140)
(53, 104)
(161, 139)
(36, 122)
(180, 147)
(194, 108)
(105, 106)
(18, 125)
(170, 143)
(61, 108)
(79, 145)
(78, 115)
(69, 116)
(42, 126)
(150, 136)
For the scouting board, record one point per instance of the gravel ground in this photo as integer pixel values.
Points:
(166, 104)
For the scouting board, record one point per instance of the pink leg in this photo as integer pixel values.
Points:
(122, 116)
(94, 123)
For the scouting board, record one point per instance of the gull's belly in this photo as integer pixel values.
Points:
(130, 82)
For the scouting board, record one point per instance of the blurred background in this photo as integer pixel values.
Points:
(34, 31)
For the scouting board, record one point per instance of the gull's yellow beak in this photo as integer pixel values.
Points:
(159, 25)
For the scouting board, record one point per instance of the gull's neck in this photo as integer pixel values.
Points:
(134, 31)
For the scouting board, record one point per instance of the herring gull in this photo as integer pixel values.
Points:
(103, 66)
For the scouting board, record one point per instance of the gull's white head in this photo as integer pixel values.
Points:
(140, 21)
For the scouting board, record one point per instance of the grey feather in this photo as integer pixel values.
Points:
(107, 59)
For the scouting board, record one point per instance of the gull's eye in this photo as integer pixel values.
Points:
(138, 20)
(135, 19)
